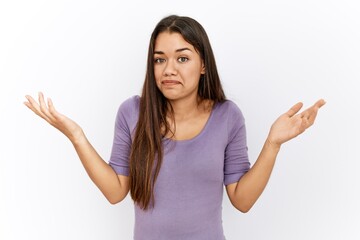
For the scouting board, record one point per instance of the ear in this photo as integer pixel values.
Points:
(202, 68)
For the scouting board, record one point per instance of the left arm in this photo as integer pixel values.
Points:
(244, 193)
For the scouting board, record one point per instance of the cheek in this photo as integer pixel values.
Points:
(193, 76)
(157, 74)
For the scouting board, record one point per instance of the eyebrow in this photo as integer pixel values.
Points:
(177, 50)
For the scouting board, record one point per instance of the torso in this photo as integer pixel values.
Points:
(208, 153)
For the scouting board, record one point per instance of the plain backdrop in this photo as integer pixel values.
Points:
(89, 56)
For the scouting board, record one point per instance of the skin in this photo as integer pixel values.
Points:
(177, 68)
(177, 71)
(114, 187)
(289, 125)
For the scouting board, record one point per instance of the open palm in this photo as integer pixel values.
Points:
(48, 112)
(292, 123)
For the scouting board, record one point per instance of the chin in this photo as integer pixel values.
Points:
(175, 95)
(171, 97)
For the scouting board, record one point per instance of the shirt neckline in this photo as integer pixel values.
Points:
(202, 132)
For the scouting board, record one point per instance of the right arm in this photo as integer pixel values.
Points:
(114, 187)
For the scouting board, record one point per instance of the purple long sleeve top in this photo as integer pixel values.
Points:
(189, 189)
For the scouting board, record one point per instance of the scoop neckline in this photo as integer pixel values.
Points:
(202, 132)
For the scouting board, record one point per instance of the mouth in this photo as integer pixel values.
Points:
(170, 82)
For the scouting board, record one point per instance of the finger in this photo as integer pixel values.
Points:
(31, 101)
(294, 109)
(47, 112)
(43, 109)
(43, 106)
(28, 105)
(312, 114)
(52, 109)
(313, 109)
(33, 105)
(320, 103)
(304, 125)
(42, 102)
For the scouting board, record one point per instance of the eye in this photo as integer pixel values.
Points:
(183, 59)
(159, 60)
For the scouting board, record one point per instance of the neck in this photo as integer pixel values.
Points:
(188, 108)
(185, 108)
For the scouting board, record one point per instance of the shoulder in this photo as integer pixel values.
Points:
(129, 109)
(229, 113)
(130, 105)
(229, 108)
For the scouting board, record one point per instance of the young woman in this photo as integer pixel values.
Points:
(177, 144)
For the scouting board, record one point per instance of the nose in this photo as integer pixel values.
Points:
(170, 68)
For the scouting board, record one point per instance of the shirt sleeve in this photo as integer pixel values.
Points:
(120, 153)
(236, 162)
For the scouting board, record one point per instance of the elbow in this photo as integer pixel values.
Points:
(243, 207)
(243, 203)
(115, 199)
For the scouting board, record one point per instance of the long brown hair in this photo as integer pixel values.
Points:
(147, 152)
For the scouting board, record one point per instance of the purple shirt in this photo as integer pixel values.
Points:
(189, 188)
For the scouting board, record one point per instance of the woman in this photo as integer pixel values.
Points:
(181, 141)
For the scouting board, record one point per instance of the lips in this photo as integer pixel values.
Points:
(170, 82)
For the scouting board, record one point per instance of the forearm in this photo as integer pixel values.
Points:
(252, 184)
(244, 193)
(99, 171)
(113, 187)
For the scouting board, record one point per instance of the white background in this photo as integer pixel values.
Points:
(89, 56)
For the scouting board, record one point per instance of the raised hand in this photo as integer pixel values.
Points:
(290, 124)
(48, 112)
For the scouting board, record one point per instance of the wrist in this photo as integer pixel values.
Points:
(272, 144)
(78, 137)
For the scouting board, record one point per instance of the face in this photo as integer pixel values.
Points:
(177, 67)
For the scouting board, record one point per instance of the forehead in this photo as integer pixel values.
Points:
(171, 41)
